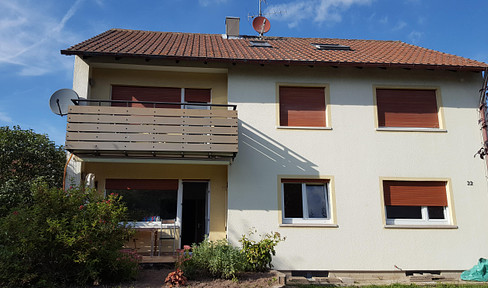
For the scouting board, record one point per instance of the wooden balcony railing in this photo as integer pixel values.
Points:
(151, 132)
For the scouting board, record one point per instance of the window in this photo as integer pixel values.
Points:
(305, 201)
(146, 199)
(320, 46)
(151, 94)
(407, 108)
(260, 43)
(302, 106)
(194, 96)
(415, 202)
(161, 94)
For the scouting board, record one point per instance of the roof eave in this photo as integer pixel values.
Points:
(284, 62)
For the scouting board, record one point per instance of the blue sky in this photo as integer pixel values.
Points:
(32, 33)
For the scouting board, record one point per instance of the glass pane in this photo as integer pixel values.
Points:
(190, 106)
(403, 212)
(143, 205)
(316, 201)
(292, 196)
(436, 212)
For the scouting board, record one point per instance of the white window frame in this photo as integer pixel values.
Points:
(424, 221)
(305, 219)
(190, 106)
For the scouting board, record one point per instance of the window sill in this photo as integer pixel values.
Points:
(421, 226)
(309, 225)
(149, 225)
(410, 129)
(303, 128)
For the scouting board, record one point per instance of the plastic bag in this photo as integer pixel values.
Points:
(479, 272)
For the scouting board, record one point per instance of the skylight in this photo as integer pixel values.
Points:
(260, 43)
(321, 46)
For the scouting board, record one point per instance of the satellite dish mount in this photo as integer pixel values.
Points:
(61, 99)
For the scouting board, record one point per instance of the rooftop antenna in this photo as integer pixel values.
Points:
(260, 23)
(260, 14)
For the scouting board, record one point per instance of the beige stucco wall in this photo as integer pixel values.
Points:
(81, 78)
(216, 174)
(104, 78)
(358, 156)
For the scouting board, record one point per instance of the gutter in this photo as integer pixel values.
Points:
(283, 62)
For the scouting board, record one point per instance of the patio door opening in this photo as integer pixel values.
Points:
(194, 223)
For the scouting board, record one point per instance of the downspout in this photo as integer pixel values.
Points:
(483, 152)
(64, 173)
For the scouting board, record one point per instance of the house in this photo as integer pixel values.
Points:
(359, 152)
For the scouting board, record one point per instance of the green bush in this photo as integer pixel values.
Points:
(216, 259)
(26, 157)
(72, 237)
(259, 254)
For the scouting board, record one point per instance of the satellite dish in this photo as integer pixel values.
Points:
(61, 99)
(261, 24)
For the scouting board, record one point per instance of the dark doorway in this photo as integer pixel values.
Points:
(194, 214)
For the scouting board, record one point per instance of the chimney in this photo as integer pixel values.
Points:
(232, 26)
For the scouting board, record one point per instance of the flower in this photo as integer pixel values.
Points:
(81, 207)
(16, 213)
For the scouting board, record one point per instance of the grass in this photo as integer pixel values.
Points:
(473, 285)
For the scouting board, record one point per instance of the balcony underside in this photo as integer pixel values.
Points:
(156, 133)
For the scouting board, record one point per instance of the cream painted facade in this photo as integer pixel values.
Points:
(358, 156)
(351, 152)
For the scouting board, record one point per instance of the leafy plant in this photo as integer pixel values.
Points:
(216, 259)
(176, 278)
(26, 157)
(259, 253)
(65, 237)
(183, 256)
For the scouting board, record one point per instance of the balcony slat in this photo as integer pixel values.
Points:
(150, 119)
(150, 128)
(144, 146)
(104, 110)
(128, 130)
(153, 138)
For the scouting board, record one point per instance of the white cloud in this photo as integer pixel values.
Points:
(206, 3)
(318, 10)
(384, 20)
(5, 118)
(415, 36)
(31, 36)
(399, 26)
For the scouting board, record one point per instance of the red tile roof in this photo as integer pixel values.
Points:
(284, 50)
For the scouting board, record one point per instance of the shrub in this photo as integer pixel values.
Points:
(259, 254)
(65, 238)
(216, 259)
(25, 157)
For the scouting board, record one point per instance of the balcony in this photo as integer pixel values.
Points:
(156, 133)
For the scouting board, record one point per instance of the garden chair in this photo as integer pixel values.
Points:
(168, 233)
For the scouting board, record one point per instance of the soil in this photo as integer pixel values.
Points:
(151, 278)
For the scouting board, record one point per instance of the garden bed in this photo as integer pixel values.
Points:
(152, 278)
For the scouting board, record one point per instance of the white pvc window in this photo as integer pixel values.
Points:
(305, 203)
(417, 215)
